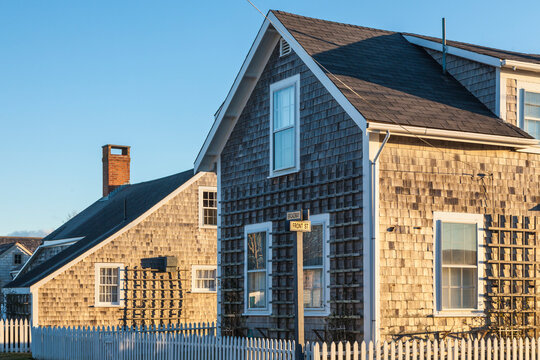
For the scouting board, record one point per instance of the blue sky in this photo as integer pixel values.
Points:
(75, 75)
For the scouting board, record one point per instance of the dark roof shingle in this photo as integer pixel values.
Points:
(101, 220)
(31, 243)
(389, 80)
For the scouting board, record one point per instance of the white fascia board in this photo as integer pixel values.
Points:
(522, 65)
(319, 73)
(452, 50)
(29, 261)
(224, 108)
(16, 291)
(49, 243)
(23, 249)
(449, 135)
(134, 223)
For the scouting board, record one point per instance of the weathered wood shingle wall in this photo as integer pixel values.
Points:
(172, 230)
(415, 181)
(329, 182)
(478, 78)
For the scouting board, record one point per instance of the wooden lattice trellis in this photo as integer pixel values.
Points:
(152, 297)
(513, 276)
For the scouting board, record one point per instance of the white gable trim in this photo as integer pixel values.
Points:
(452, 50)
(125, 229)
(245, 82)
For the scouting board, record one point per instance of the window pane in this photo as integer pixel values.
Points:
(455, 277)
(469, 277)
(284, 149)
(445, 298)
(532, 98)
(455, 298)
(257, 290)
(469, 298)
(313, 288)
(445, 277)
(458, 244)
(313, 246)
(256, 251)
(533, 128)
(283, 112)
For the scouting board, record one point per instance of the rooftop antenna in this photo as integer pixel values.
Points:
(444, 49)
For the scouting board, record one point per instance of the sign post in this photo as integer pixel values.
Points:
(298, 221)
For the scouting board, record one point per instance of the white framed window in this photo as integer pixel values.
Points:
(257, 269)
(108, 282)
(458, 263)
(316, 251)
(529, 108)
(285, 126)
(208, 207)
(203, 278)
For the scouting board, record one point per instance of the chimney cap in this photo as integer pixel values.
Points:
(116, 146)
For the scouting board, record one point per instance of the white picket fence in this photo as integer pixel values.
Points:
(14, 335)
(161, 344)
(117, 344)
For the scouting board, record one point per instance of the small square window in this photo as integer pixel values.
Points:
(17, 259)
(204, 278)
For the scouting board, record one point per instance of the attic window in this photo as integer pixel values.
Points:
(284, 47)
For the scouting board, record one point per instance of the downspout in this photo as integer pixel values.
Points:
(375, 306)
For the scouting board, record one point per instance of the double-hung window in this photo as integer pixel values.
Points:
(457, 244)
(203, 278)
(108, 281)
(531, 113)
(284, 126)
(315, 253)
(208, 207)
(257, 265)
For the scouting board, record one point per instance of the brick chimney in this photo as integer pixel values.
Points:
(115, 167)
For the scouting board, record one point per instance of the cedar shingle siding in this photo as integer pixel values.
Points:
(478, 78)
(329, 181)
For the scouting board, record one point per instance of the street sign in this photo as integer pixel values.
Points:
(294, 215)
(301, 226)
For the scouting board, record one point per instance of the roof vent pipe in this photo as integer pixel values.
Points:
(444, 49)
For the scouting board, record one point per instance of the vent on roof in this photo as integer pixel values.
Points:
(284, 47)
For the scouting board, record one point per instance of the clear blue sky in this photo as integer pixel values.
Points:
(75, 75)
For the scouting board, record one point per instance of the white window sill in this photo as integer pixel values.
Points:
(275, 174)
(459, 313)
(257, 313)
(207, 226)
(316, 313)
(107, 305)
(203, 291)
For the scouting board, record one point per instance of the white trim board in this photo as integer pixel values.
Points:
(126, 228)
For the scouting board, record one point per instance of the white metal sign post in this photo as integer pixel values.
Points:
(298, 222)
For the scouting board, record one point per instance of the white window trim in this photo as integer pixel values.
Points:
(99, 266)
(522, 87)
(202, 189)
(194, 288)
(249, 229)
(293, 80)
(478, 220)
(323, 219)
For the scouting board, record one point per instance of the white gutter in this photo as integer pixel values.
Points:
(451, 135)
(49, 243)
(375, 246)
(522, 65)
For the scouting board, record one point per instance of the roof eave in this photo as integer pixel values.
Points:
(450, 135)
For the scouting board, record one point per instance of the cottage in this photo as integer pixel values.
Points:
(423, 186)
(14, 252)
(142, 254)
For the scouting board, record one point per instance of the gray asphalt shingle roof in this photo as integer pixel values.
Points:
(101, 220)
(392, 80)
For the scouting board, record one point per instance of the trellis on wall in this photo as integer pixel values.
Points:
(512, 274)
(152, 297)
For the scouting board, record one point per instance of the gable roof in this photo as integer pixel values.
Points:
(383, 78)
(484, 50)
(30, 243)
(102, 219)
(5, 247)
